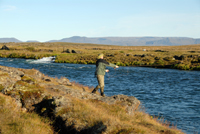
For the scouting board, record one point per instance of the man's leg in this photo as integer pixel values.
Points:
(98, 86)
(100, 79)
(102, 91)
(101, 83)
(95, 89)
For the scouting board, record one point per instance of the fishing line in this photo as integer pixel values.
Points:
(118, 73)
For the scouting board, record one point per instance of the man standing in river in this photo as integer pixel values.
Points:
(100, 72)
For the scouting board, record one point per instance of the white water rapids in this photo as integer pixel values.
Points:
(45, 60)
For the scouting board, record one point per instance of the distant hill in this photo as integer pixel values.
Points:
(32, 41)
(4, 40)
(123, 41)
(132, 41)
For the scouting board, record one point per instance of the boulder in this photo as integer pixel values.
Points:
(169, 58)
(177, 57)
(150, 55)
(67, 51)
(129, 55)
(137, 55)
(157, 58)
(5, 48)
(64, 81)
(75, 51)
(160, 51)
(110, 55)
(9, 76)
(182, 57)
(129, 102)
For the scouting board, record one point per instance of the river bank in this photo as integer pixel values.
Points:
(69, 107)
(176, 57)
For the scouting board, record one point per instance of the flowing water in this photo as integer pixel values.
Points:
(170, 94)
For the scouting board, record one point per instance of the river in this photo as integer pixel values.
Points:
(172, 95)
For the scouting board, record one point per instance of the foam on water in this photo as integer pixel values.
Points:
(45, 60)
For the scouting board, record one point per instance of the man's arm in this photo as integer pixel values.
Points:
(112, 65)
(109, 64)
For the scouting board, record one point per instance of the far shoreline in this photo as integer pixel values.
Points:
(143, 66)
(170, 57)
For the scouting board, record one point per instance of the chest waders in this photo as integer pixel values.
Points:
(100, 79)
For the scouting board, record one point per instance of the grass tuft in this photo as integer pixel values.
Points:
(13, 121)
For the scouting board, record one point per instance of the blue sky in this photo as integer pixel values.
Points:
(45, 20)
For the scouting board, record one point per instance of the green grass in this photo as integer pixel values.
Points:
(1, 87)
(89, 55)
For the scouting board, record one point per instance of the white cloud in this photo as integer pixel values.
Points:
(186, 25)
(9, 8)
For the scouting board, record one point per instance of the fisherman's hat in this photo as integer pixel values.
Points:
(100, 55)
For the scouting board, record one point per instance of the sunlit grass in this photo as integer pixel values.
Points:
(13, 121)
(81, 114)
(88, 113)
(89, 53)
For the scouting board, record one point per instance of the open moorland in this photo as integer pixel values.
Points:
(178, 57)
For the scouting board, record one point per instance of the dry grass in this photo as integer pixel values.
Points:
(89, 113)
(13, 121)
(81, 87)
(113, 54)
(85, 114)
(93, 49)
(81, 114)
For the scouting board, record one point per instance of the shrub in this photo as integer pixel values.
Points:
(182, 66)
(75, 62)
(1, 87)
(120, 64)
(32, 49)
(91, 62)
(32, 56)
(23, 55)
(136, 63)
(196, 68)
(199, 59)
(13, 55)
(127, 64)
(159, 62)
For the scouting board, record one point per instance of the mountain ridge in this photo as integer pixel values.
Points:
(122, 41)
(4, 40)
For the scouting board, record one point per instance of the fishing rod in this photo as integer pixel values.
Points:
(122, 73)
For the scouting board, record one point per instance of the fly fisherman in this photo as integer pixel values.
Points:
(100, 72)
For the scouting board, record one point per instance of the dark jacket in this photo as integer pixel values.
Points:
(101, 66)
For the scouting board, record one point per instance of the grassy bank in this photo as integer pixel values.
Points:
(177, 57)
(14, 121)
(47, 108)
